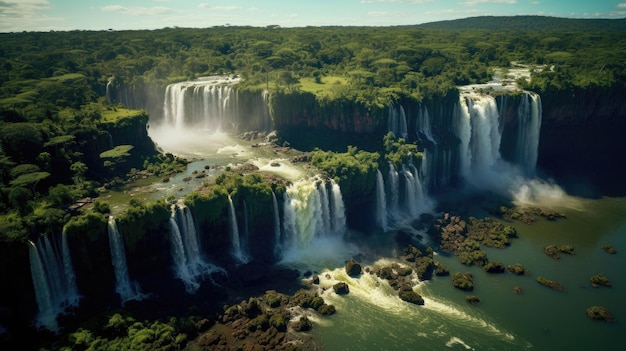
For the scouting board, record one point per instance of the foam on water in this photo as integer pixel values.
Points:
(279, 166)
(376, 293)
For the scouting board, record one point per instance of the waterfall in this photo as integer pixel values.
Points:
(311, 212)
(108, 91)
(237, 250)
(325, 208)
(338, 212)
(381, 201)
(397, 120)
(480, 126)
(276, 223)
(266, 118)
(124, 287)
(423, 125)
(529, 126)
(394, 190)
(53, 278)
(189, 265)
(209, 103)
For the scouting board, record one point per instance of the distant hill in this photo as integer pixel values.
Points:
(528, 22)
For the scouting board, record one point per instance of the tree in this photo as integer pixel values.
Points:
(79, 170)
(31, 180)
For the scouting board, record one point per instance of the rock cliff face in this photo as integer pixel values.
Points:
(583, 139)
(328, 125)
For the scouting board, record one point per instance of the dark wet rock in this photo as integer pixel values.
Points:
(341, 288)
(411, 297)
(474, 300)
(353, 268)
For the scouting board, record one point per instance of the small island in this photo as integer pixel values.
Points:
(600, 313)
(463, 281)
(609, 249)
(550, 284)
(599, 280)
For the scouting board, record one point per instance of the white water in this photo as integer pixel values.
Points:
(208, 103)
(393, 187)
(53, 278)
(190, 266)
(407, 198)
(481, 165)
(423, 125)
(314, 222)
(276, 223)
(529, 127)
(126, 289)
(381, 201)
(397, 122)
(372, 303)
(237, 250)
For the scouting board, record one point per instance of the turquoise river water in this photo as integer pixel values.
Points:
(372, 317)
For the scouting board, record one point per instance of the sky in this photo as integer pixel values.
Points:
(63, 15)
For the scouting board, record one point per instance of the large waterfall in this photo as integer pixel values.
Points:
(53, 278)
(214, 104)
(123, 286)
(313, 212)
(190, 266)
(480, 139)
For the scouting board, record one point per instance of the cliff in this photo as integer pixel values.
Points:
(583, 139)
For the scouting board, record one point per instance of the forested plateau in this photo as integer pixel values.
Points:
(64, 96)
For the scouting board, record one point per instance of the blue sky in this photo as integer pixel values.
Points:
(45, 15)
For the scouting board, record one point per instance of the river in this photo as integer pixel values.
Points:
(372, 317)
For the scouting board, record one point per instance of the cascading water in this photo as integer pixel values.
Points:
(479, 127)
(312, 215)
(53, 278)
(124, 287)
(189, 264)
(237, 249)
(407, 199)
(484, 143)
(423, 127)
(394, 191)
(381, 201)
(529, 126)
(276, 223)
(209, 103)
(397, 123)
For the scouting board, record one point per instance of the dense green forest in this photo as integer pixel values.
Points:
(55, 120)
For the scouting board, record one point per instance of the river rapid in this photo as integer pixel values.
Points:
(372, 317)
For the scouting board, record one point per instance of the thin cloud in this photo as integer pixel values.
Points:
(17, 15)
(622, 5)
(403, 1)
(384, 14)
(139, 11)
(23, 7)
(478, 2)
(219, 8)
